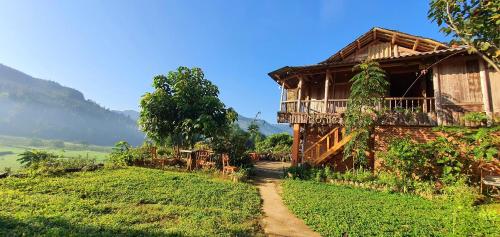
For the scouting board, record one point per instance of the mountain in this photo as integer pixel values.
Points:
(243, 122)
(265, 127)
(32, 107)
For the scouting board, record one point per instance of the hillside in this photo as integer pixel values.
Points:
(39, 108)
(265, 127)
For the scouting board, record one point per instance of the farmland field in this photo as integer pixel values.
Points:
(332, 210)
(127, 202)
(11, 147)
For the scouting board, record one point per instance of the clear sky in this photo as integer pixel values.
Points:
(111, 49)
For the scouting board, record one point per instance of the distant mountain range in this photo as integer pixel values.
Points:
(31, 107)
(265, 127)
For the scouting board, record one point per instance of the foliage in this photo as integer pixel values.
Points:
(475, 117)
(234, 141)
(368, 87)
(124, 154)
(276, 145)
(333, 210)
(474, 23)
(408, 159)
(184, 107)
(255, 135)
(32, 157)
(127, 202)
(57, 167)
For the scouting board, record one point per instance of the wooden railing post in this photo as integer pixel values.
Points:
(299, 88)
(327, 80)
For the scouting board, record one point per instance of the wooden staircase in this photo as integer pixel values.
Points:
(327, 146)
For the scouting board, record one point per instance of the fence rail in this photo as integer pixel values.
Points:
(393, 104)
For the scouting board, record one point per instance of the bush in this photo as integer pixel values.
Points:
(32, 157)
(475, 117)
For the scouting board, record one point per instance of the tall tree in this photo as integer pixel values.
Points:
(183, 108)
(368, 88)
(475, 23)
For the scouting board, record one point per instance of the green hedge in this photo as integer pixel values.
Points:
(332, 210)
(127, 202)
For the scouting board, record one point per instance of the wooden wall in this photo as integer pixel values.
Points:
(460, 88)
(494, 78)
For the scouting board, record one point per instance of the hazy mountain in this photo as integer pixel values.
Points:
(32, 107)
(265, 127)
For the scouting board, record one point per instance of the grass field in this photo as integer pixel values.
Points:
(127, 202)
(11, 147)
(332, 210)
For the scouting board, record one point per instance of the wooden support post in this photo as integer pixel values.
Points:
(295, 144)
(281, 97)
(299, 92)
(327, 80)
(486, 91)
(424, 94)
(437, 94)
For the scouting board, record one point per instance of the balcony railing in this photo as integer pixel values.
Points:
(394, 104)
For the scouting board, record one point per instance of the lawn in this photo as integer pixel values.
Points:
(127, 202)
(332, 210)
(11, 147)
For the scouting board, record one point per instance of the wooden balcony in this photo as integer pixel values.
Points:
(419, 111)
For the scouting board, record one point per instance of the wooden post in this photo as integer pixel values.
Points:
(437, 94)
(333, 93)
(486, 91)
(327, 80)
(299, 88)
(424, 94)
(281, 97)
(295, 144)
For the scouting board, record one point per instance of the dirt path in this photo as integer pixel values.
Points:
(278, 220)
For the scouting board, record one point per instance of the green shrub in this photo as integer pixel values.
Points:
(32, 157)
(475, 117)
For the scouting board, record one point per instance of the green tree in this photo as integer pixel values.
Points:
(368, 88)
(255, 134)
(475, 23)
(183, 108)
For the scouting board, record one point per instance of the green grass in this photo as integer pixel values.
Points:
(127, 202)
(332, 210)
(11, 147)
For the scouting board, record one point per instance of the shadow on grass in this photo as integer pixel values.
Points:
(43, 226)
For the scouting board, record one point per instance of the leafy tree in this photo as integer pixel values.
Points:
(476, 23)
(281, 142)
(233, 141)
(255, 134)
(29, 158)
(368, 87)
(183, 108)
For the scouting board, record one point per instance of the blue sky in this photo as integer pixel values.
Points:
(111, 49)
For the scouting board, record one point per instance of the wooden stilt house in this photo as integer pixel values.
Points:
(431, 84)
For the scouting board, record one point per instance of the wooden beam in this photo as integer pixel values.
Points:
(415, 45)
(375, 34)
(437, 94)
(394, 36)
(436, 47)
(295, 144)
(281, 97)
(486, 91)
(327, 81)
(299, 88)
(358, 44)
